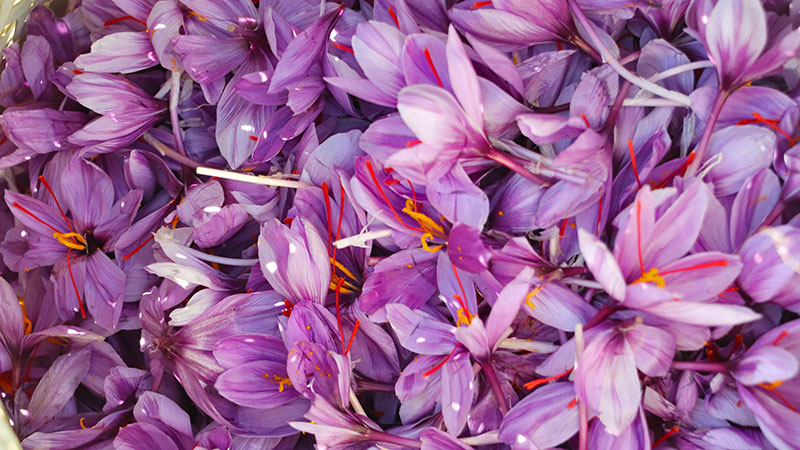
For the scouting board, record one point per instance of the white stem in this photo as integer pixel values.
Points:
(356, 404)
(249, 178)
(680, 69)
(361, 238)
(487, 438)
(166, 235)
(528, 345)
(651, 102)
(619, 68)
(582, 282)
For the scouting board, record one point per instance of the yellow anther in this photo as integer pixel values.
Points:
(192, 13)
(282, 381)
(652, 276)
(424, 221)
(463, 317)
(64, 239)
(532, 294)
(344, 270)
(81, 422)
(25, 319)
(424, 239)
(773, 385)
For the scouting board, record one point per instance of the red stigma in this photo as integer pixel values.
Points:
(663, 438)
(253, 138)
(74, 285)
(339, 312)
(47, 185)
(477, 5)
(599, 217)
(328, 214)
(633, 163)
(717, 263)
(76, 72)
(679, 170)
(585, 120)
(772, 123)
(339, 224)
(386, 199)
(287, 307)
(413, 143)
(120, 19)
(352, 337)
(141, 246)
(531, 385)
(780, 337)
(563, 228)
(441, 364)
(572, 403)
(464, 302)
(433, 68)
(342, 47)
(394, 17)
(17, 205)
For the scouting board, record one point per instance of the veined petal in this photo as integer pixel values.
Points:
(420, 332)
(207, 58)
(457, 392)
(736, 34)
(602, 264)
(125, 52)
(606, 379)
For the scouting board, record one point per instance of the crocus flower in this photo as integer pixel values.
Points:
(71, 245)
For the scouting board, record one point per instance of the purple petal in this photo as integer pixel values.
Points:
(457, 392)
(606, 379)
(257, 384)
(765, 365)
(388, 283)
(57, 387)
(124, 52)
(420, 332)
(542, 420)
(601, 263)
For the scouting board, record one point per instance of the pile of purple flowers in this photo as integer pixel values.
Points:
(386, 224)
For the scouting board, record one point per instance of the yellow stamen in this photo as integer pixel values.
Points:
(281, 380)
(652, 276)
(424, 239)
(192, 13)
(463, 318)
(81, 422)
(425, 222)
(64, 239)
(339, 266)
(25, 319)
(773, 385)
(532, 294)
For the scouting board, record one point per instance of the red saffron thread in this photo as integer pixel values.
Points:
(666, 436)
(439, 366)
(141, 246)
(433, 68)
